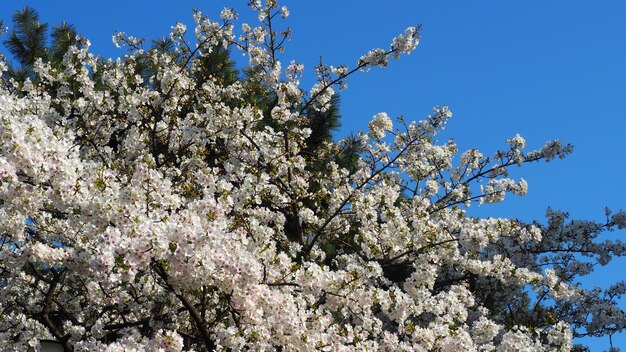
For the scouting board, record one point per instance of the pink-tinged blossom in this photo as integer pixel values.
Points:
(380, 125)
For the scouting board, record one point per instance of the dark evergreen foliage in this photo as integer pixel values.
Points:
(28, 42)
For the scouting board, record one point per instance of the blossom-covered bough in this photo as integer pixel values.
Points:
(147, 206)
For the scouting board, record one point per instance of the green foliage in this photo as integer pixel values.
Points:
(63, 36)
(217, 64)
(322, 124)
(28, 40)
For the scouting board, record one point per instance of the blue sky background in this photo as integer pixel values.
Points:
(544, 69)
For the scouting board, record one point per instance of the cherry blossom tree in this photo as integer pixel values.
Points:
(145, 209)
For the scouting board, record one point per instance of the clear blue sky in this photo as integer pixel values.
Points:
(544, 69)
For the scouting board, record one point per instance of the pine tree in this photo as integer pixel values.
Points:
(28, 41)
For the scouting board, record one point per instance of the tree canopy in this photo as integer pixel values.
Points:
(167, 201)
